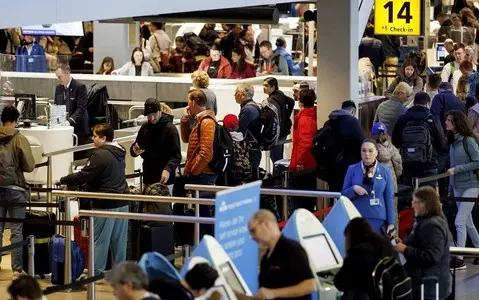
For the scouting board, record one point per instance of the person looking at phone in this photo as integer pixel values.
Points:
(158, 143)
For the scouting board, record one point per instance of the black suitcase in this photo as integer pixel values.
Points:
(42, 233)
(183, 232)
(157, 237)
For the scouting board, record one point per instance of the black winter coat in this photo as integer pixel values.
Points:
(427, 255)
(161, 143)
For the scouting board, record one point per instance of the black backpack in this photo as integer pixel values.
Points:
(270, 124)
(416, 141)
(222, 148)
(327, 149)
(391, 281)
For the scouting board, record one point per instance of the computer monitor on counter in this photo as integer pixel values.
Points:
(26, 105)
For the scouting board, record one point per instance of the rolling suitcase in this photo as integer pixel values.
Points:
(433, 279)
(157, 237)
(57, 260)
(82, 241)
(42, 234)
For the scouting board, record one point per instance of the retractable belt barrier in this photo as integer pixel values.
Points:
(40, 222)
(14, 246)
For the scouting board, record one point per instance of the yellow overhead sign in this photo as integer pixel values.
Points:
(397, 17)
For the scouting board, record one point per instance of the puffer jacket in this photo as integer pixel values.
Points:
(464, 164)
(389, 155)
(389, 112)
(23, 157)
(200, 149)
(304, 129)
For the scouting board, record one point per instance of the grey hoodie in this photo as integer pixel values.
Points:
(23, 156)
(464, 165)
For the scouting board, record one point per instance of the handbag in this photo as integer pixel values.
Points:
(155, 61)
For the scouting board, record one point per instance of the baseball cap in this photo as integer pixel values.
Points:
(152, 106)
(379, 128)
(230, 121)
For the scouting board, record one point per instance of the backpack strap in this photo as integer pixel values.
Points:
(199, 126)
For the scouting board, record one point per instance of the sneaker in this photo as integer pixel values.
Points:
(17, 274)
(457, 264)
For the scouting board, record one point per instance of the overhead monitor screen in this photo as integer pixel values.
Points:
(62, 29)
(441, 52)
(320, 252)
(231, 277)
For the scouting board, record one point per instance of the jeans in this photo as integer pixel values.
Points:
(13, 196)
(276, 153)
(110, 233)
(205, 210)
(464, 223)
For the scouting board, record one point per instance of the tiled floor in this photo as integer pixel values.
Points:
(103, 292)
(467, 282)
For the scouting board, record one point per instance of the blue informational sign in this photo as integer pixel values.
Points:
(234, 208)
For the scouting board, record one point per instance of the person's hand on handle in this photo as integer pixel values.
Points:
(360, 190)
(137, 150)
(391, 231)
(165, 175)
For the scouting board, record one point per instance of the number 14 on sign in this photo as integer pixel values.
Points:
(397, 17)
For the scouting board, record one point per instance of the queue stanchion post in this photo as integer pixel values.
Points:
(186, 253)
(91, 259)
(68, 244)
(415, 181)
(197, 224)
(285, 198)
(31, 255)
(49, 182)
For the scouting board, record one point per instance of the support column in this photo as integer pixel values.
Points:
(114, 40)
(337, 55)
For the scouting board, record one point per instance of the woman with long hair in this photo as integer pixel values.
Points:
(107, 66)
(241, 68)
(137, 66)
(410, 75)
(464, 156)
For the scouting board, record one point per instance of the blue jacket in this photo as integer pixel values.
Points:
(443, 103)
(35, 62)
(294, 69)
(464, 164)
(383, 188)
(250, 122)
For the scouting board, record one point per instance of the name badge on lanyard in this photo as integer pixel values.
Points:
(374, 201)
(31, 60)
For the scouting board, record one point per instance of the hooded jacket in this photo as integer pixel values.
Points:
(351, 137)
(438, 140)
(23, 157)
(152, 138)
(389, 112)
(200, 149)
(104, 172)
(304, 129)
(389, 155)
(277, 65)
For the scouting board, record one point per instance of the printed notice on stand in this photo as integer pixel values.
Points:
(234, 208)
(58, 116)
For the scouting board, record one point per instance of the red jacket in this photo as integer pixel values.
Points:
(304, 129)
(224, 70)
(248, 72)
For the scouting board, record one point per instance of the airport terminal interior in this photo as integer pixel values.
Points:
(152, 141)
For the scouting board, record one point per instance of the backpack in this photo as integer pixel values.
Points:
(270, 125)
(391, 281)
(416, 142)
(327, 150)
(195, 43)
(156, 189)
(222, 148)
(242, 168)
(57, 259)
(8, 175)
(97, 106)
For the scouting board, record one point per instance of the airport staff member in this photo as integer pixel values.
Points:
(285, 272)
(73, 94)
